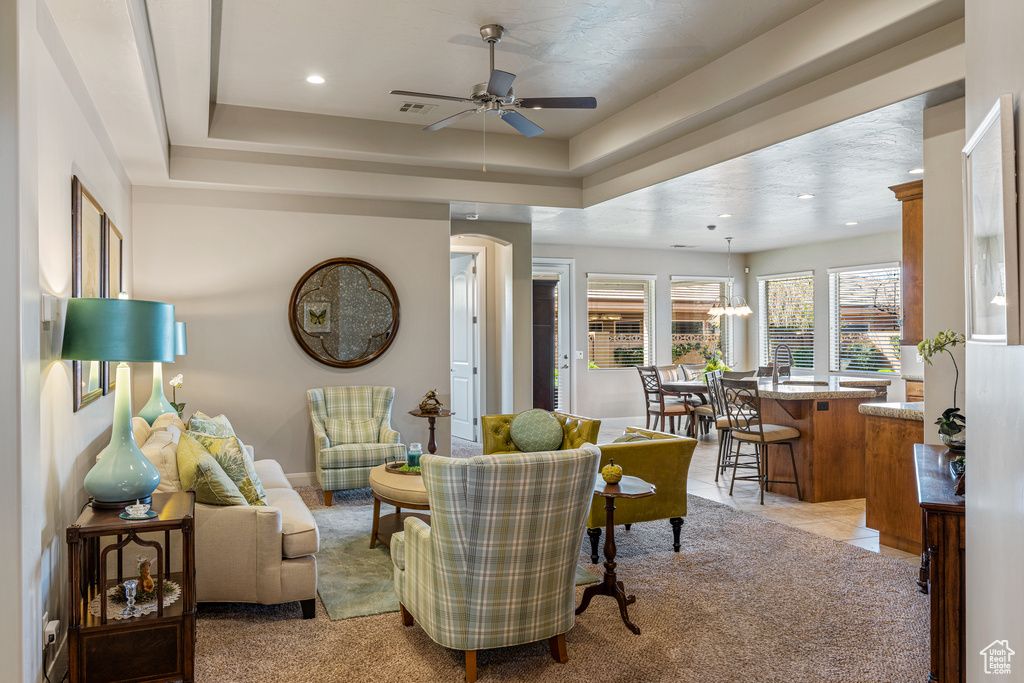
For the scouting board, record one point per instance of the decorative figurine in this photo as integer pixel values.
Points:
(430, 404)
(144, 577)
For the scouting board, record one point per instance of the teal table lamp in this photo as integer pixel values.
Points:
(123, 331)
(158, 403)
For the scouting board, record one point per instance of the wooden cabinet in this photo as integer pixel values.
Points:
(891, 504)
(915, 391)
(151, 648)
(943, 574)
(912, 196)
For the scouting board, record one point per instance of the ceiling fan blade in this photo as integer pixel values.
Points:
(409, 93)
(443, 123)
(558, 103)
(521, 123)
(500, 83)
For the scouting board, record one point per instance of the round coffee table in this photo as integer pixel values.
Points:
(400, 490)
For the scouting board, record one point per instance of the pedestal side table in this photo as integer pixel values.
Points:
(431, 420)
(628, 487)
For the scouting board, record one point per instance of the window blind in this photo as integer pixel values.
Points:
(695, 334)
(787, 317)
(864, 319)
(620, 316)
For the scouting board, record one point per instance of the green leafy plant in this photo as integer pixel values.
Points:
(714, 362)
(943, 341)
(952, 422)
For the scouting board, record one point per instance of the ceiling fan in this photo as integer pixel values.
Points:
(497, 97)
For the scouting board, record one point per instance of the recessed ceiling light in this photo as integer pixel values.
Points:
(916, 171)
(804, 196)
(851, 223)
(315, 79)
(725, 215)
(472, 216)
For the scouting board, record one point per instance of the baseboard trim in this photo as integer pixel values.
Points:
(302, 479)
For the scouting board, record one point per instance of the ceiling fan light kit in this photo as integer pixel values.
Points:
(496, 96)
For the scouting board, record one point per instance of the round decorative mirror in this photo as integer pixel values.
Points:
(344, 312)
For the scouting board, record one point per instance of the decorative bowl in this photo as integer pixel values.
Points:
(137, 510)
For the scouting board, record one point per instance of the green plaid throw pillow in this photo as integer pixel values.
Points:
(352, 431)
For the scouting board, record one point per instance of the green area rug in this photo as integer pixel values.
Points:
(353, 580)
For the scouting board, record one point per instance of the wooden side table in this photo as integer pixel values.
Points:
(629, 487)
(431, 420)
(151, 648)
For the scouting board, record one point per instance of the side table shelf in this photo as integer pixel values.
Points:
(151, 648)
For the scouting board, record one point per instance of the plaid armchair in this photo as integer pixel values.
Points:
(347, 465)
(497, 564)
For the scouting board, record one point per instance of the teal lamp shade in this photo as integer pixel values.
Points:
(120, 330)
(180, 342)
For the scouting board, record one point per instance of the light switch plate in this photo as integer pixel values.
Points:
(579, 355)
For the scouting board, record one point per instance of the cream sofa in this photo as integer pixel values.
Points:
(244, 553)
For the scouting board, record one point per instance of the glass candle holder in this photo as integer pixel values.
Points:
(415, 451)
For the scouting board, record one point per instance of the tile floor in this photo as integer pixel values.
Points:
(840, 520)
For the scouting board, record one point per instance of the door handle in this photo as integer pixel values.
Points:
(565, 366)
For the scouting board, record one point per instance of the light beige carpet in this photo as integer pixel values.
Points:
(747, 599)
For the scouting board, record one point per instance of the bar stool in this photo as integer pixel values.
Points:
(716, 401)
(743, 406)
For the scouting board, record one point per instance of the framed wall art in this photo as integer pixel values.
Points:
(990, 218)
(113, 252)
(87, 280)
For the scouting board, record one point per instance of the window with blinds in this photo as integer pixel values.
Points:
(864, 319)
(787, 317)
(620, 316)
(695, 334)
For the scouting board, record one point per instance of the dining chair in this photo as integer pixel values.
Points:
(743, 407)
(658, 405)
(684, 373)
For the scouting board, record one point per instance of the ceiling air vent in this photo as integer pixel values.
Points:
(416, 108)
(684, 246)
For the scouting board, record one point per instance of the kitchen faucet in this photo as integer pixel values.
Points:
(775, 362)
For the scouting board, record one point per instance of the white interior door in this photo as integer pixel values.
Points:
(464, 342)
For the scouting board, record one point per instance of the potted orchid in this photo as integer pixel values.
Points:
(952, 424)
(176, 383)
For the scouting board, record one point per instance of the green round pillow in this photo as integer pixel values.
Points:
(536, 430)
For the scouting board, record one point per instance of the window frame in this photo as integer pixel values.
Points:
(764, 344)
(834, 313)
(650, 316)
(726, 326)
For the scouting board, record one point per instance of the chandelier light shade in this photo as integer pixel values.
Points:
(737, 305)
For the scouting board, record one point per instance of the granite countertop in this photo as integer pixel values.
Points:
(913, 378)
(898, 411)
(810, 388)
(837, 381)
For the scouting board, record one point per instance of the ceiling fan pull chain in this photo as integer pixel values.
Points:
(485, 133)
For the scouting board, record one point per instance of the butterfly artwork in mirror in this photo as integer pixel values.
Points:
(344, 312)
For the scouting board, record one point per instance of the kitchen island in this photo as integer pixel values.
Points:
(830, 451)
(891, 505)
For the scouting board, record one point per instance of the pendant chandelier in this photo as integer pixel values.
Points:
(737, 305)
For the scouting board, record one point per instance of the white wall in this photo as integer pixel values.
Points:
(517, 361)
(995, 401)
(883, 247)
(616, 393)
(229, 261)
(52, 130)
(944, 306)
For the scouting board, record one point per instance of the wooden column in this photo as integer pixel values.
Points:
(912, 196)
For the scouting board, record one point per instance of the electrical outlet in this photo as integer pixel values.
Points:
(50, 631)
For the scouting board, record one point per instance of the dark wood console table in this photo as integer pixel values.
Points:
(628, 487)
(151, 648)
(943, 574)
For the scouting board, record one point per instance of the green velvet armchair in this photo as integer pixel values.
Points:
(663, 460)
(578, 431)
